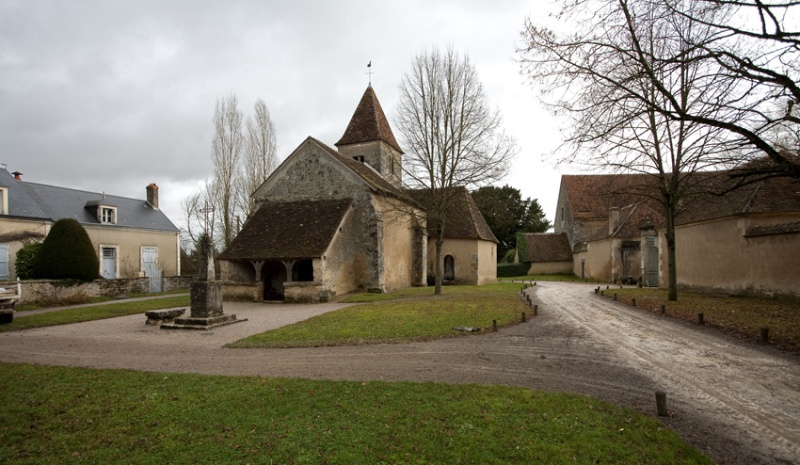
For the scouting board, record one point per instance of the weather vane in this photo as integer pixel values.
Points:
(369, 71)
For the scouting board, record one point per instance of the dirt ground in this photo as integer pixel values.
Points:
(739, 402)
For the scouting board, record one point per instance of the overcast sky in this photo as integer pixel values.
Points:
(109, 96)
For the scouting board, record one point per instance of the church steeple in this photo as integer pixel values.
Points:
(369, 138)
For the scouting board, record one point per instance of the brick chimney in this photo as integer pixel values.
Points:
(152, 195)
(17, 176)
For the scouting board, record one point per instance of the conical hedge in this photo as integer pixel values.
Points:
(67, 253)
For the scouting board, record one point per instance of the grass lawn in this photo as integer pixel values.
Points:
(99, 312)
(413, 314)
(743, 316)
(54, 415)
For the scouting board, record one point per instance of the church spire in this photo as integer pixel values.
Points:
(368, 124)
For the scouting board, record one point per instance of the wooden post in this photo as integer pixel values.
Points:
(523, 317)
(535, 310)
(615, 296)
(661, 404)
(634, 301)
(663, 309)
(494, 325)
(700, 319)
(765, 335)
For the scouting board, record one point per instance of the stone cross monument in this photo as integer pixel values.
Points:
(206, 296)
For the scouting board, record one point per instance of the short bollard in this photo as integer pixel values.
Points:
(633, 301)
(535, 310)
(523, 317)
(615, 296)
(663, 309)
(494, 325)
(661, 404)
(700, 319)
(597, 290)
(765, 335)
(606, 287)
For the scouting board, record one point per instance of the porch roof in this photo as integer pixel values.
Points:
(288, 230)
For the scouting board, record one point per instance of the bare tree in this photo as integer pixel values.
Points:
(453, 137)
(260, 156)
(227, 148)
(620, 80)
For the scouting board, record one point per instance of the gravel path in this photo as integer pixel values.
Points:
(738, 402)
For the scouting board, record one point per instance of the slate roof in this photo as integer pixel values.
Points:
(288, 230)
(591, 196)
(547, 247)
(29, 200)
(463, 220)
(368, 123)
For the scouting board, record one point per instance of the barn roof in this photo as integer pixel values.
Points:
(546, 247)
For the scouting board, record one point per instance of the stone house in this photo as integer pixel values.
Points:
(132, 237)
(331, 221)
(734, 241)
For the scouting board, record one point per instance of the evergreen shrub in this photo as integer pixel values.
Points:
(67, 253)
(26, 259)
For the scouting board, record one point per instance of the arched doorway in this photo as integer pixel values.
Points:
(449, 268)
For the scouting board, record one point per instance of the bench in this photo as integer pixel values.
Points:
(156, 317)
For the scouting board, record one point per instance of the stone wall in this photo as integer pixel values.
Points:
(50, 291)
(306, 292)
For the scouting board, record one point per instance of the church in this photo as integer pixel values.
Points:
(332, 221)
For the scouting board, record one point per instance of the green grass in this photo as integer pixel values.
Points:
(414, 315)
(744, 316)
(99, 312)
(54, 415)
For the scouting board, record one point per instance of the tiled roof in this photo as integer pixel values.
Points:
(547, 247)
(768, 230)
(368, 123)
(591, 197)
(463, 219)
(775, 195)
(288, 230)
(44, 202)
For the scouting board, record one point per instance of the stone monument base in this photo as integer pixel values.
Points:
(202, 323)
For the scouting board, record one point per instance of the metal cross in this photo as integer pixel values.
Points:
(369, 71)
(206, 210)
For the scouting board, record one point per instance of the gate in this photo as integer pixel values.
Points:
(651, 262)
(154, 279)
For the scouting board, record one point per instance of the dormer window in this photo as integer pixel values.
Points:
(359, 158)
(108, 215)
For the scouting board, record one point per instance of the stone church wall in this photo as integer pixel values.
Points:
(314, 175)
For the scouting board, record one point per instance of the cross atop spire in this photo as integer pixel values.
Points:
(369, 71)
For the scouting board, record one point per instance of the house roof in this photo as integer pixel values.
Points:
(29, 200)
(368, 123)
(288, 230)
(463, 219)
(592, 196)
(547, 247)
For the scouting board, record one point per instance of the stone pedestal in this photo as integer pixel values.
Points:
(206, 309)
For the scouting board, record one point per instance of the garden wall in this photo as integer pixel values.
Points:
(66, 292)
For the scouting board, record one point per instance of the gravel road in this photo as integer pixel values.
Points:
(738, 402)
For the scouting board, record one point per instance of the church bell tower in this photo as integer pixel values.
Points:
(369, 139)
